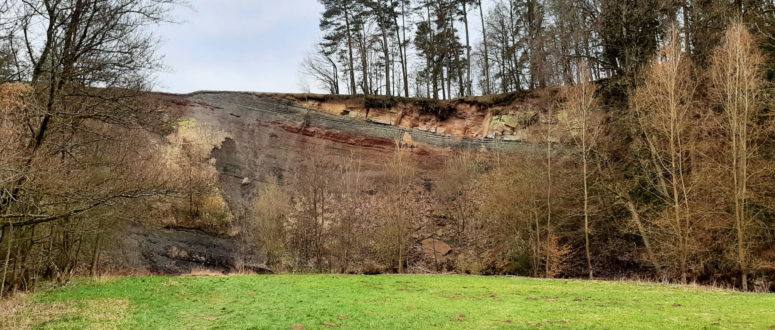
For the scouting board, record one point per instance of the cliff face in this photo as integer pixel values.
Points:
(516, 117)
(253, 139)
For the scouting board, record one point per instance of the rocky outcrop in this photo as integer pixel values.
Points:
(175, 251)
(270, 139)
(513, 119)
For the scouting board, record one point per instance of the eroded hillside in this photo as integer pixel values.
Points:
(259, 139)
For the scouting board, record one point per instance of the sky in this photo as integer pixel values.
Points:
(246, 45)
(237, 45)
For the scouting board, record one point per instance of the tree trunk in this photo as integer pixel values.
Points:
(406, 58)
(431, 63)
(443, 87)
(687, 31)
(353, 86)
(468, 52)
(336, 77)
(641, 229)
(401, 36)
(486, 56)
(401, 57)
(456, 56)
(24, 269)
(7, 258)
(586, 213)
(537, 246)
(548, 186)
(678, 222)
(364, 64)
(95, 259)
(385, 47)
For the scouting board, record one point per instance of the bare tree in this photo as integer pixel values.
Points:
(267, 223)
(455, 190)
(350, 212)
(321, 66)
(398, 213)
(486, 55)
(81, 123)
(736, 75)
(514, 206)
(665, 105)
(580, 118)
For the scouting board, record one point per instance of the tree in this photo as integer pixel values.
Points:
(630, 32)
(398, 213)
(738, 86)
(350, 213)
(315, 190)
(77, 124)
(403, 43)
(665, 105)
(533, 21)
(455, 190)
(266, 223)
(580, 105)
(464, 13)
(505, 38)
(437, 42)
(383, 12)
(320, 66)
(512, 220)
(486, 68)
(338, 21)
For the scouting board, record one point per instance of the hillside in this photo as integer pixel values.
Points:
(253, 139)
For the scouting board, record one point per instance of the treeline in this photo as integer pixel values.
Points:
(80, 143)
(428, 48)
(675, 184)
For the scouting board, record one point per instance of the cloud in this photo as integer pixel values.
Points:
(237, 45)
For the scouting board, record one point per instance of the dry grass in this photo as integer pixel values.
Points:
(21, 312)
(204, 272)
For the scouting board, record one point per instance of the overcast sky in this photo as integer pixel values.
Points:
(246, 45)
(238, 45)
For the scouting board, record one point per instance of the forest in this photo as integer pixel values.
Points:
(662, 110)
(667, 103)
(431, 49)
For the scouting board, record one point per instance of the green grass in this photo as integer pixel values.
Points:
(319, 301)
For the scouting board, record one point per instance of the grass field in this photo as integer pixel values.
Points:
(320, 301)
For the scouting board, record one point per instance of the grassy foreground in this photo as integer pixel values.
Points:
(320, 301)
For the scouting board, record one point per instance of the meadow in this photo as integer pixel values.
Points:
(328, 301)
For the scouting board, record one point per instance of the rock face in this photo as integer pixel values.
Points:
(434, 247)
(181, 251)
(269, 140)
(513, 120)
